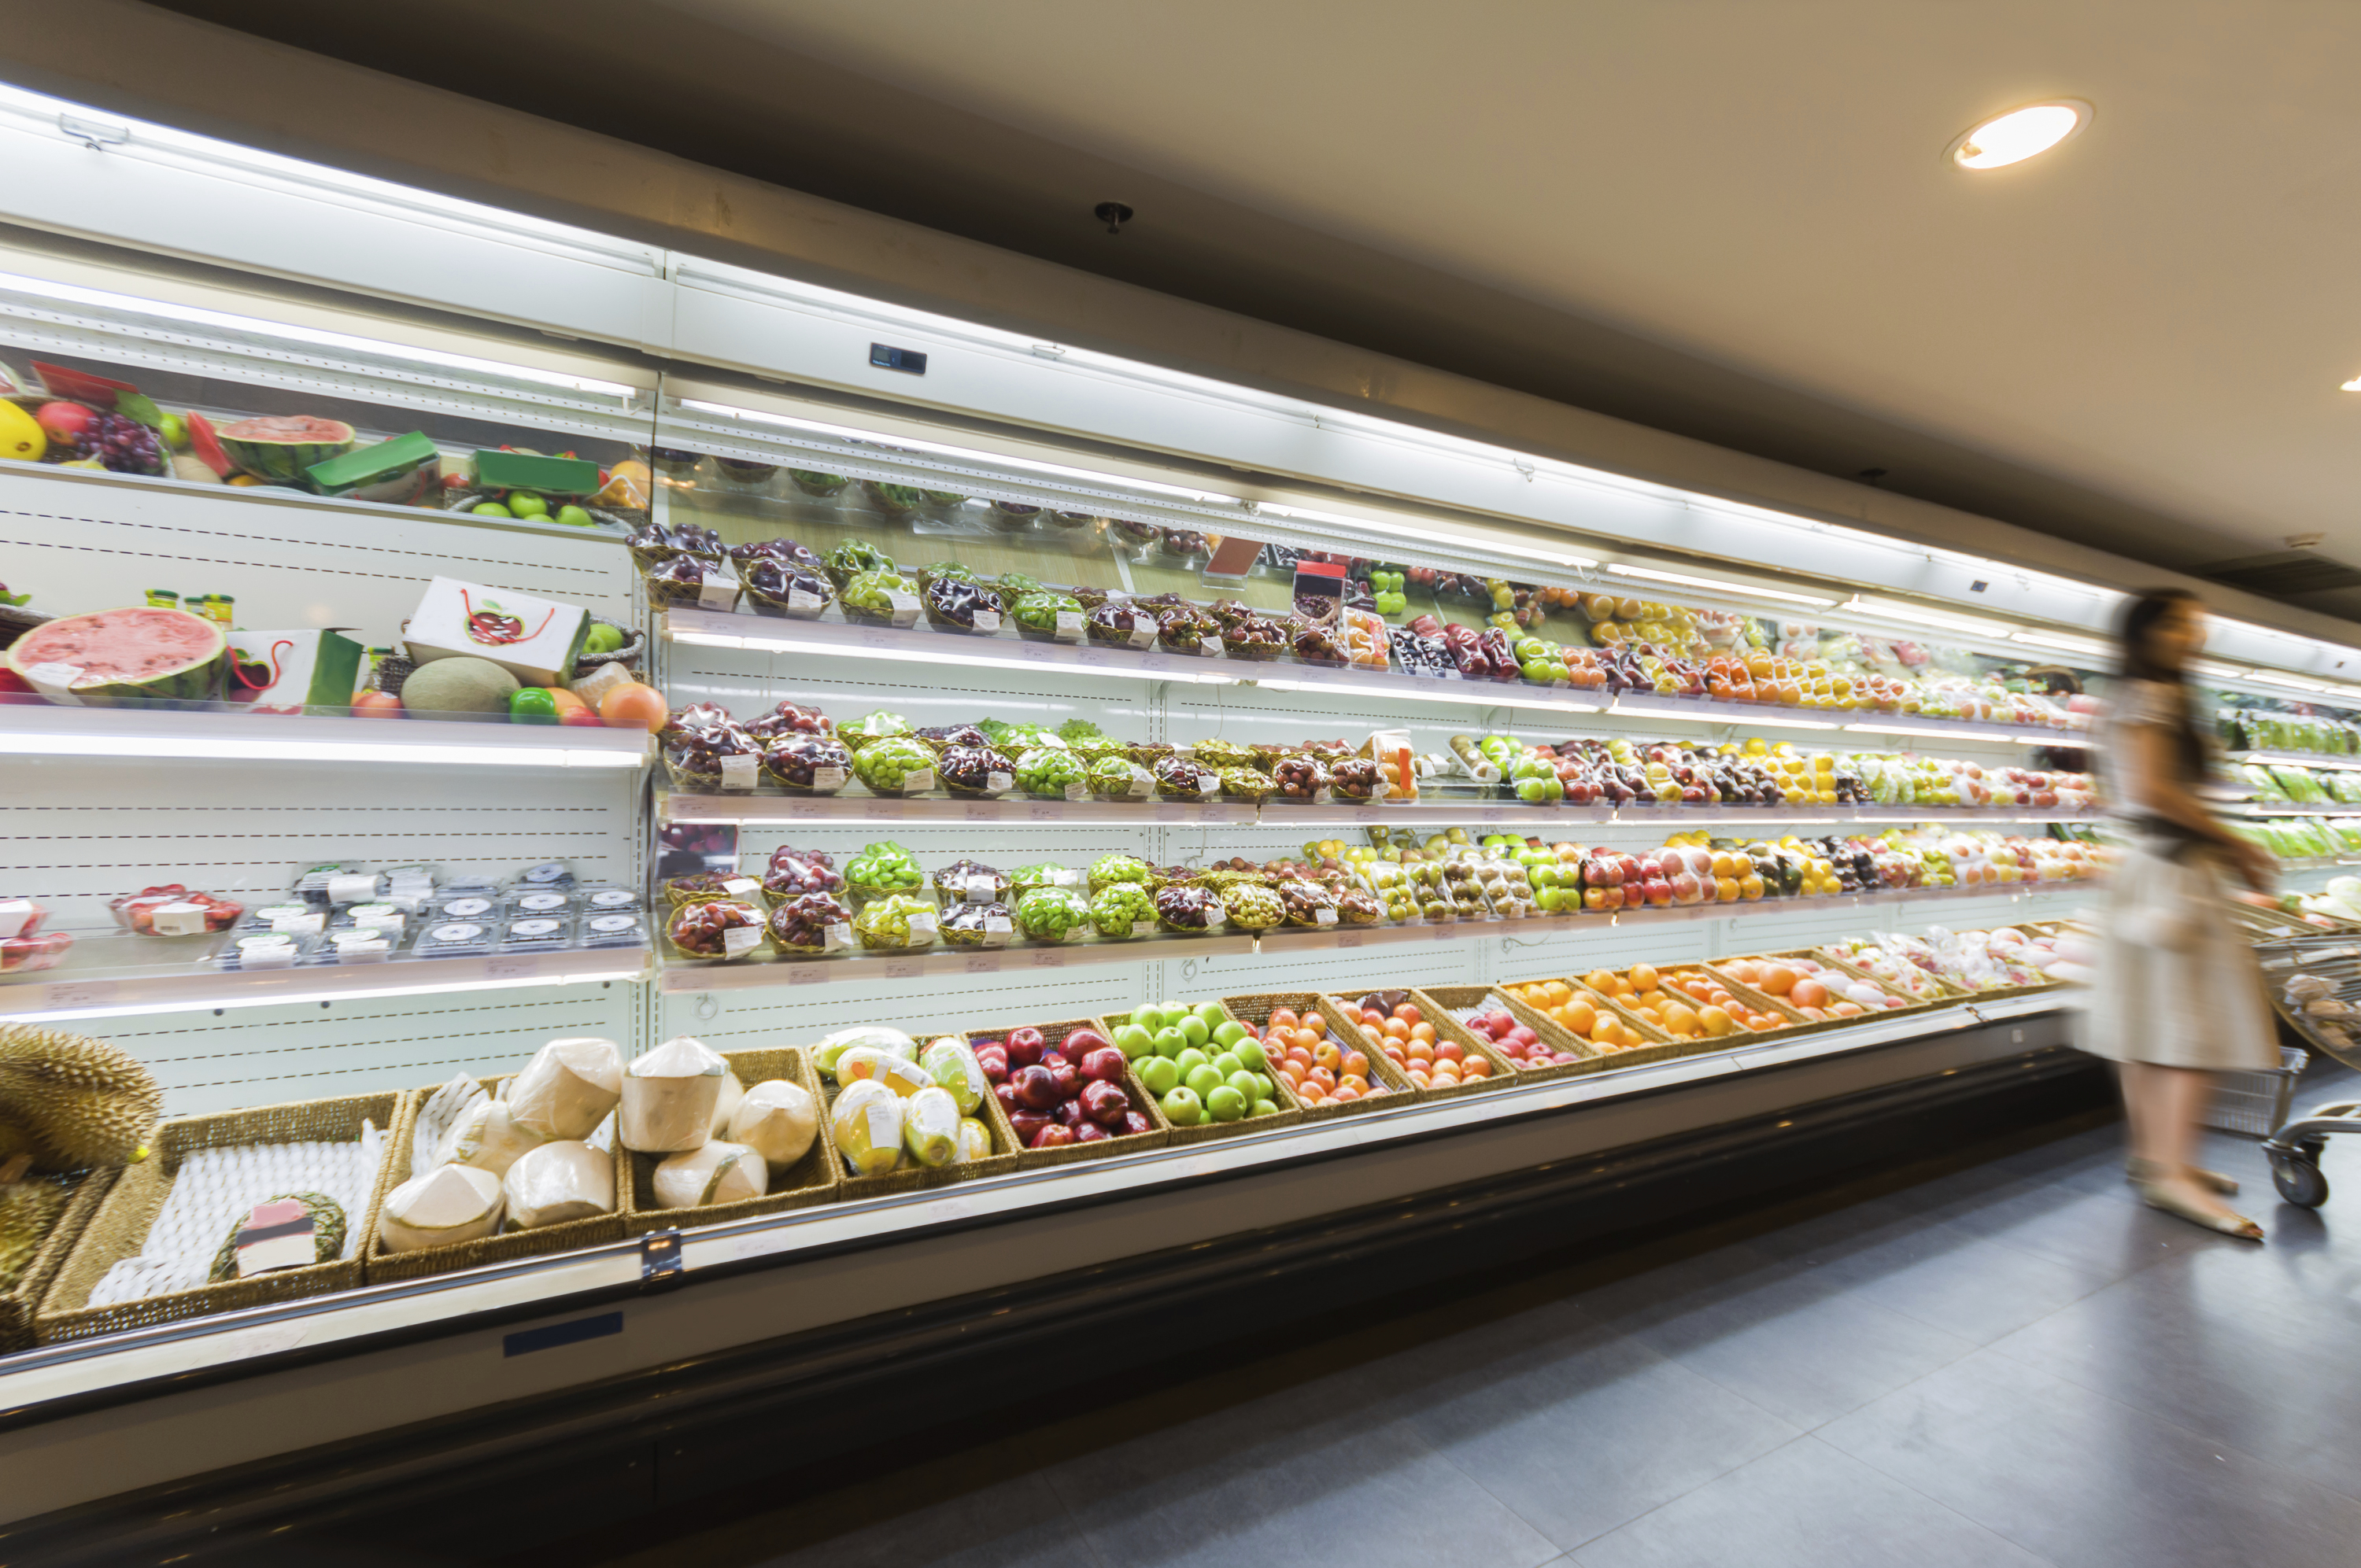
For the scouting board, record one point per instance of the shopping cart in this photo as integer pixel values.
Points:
(2315, 986)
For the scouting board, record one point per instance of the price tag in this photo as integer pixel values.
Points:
(81, 993)
(999, 784)
(1070, 626)
(738, 772)
(510, 969)
(353, 887)
(904, 607)
(742, 887)
(1038, 654)
(1209, 646)
(1065, 876)
(884, 807)
(804, 599)
(980, 890)
(803, 810)
(999, 927)
(737, 939)
(917, 781)
(717, 590)
(829, 776)
(1140, 787)
(1322, 795)
(981, 811)
(1143, 633)
(923, 925)
(809, 973)
(836, 939)
(307, 925)
(1039, 811)
(976, 965)
(178, 920)
(1349, 938)
(1363, 814)
(1209, 784)
(1156, 662)
(1323, 918)
(1049, 958)
(56, 682)
(275, 1235)
(905, 969)
(987, 622)
(1077, 790)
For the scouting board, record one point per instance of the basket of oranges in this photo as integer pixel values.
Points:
(1315, 1043)
(1480, 1064)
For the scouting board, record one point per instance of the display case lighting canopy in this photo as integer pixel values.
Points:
(1742, 590)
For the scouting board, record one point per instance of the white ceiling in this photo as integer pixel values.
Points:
(2160, 311)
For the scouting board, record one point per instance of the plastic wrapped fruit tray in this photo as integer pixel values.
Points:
(910, 1178)
(1952, 992)
(1850, 971)
(1256, 1010)
(1290, 1109)
(811, 1179)
(1054, 1035)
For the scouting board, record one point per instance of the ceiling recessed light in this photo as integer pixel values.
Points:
(2018, 135)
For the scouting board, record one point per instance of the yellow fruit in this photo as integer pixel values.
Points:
(20, 437)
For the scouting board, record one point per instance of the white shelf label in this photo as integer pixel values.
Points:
(1070, 626)
(987, 622)
(905, 969)
(830, 776)
(804, 599)
(737, 939)
(999, 784)
(738, 772)
(510, 969)
(742, 887)
(1049, 958)
(917, 781)
(1143, 633)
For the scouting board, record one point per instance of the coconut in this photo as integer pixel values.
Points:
(486, 1136)
(568, 1088)
(449, 1203)
(668, 1097)
(777, 1120)
(732, 1092)
(556, 1182)
(718, 1172)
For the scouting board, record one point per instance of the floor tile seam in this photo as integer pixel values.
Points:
(1971, 1349)
(1785, 1443)
(1073, 1523)
(1408, 1421)
(1966, 1518)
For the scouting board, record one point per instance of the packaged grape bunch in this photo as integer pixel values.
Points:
(691, 582)
(655, 543)
(1302, 780)
(1052, 773)
(1189, 909)
(952, 605)
(1042, 874)
(1187, 630)
(976, 772)
(1254, 637)
(787, 552)
(893, 498)
(806, 765)
(880, 598)
(1355, 780)
(1319, 641)
(810, 923)
(1307, 902)
(896, 921)
(1181, 778)
(819, 486)
(713, 756)
(852, 558)
(881, 725)
(702, 887)
(1051, 913)
(897, 765)
(786, 589)
(1122, 910)
(1048, 618)
(1118, 778)
(881, 870)
(978, 925)
(791, 719)
(969, 882)
(1248, 784)
(1117, 623)
(1011, 517)
(719, 929)
(794, 872)
(952, 571)
(1358, 906)
(1108, 870)
(1253, 907)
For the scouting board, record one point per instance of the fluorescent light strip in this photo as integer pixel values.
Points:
(198, 316)
(1921, 616)
(259, 749)
(1427, 537)
(1742, 590)
(1786, 723)
(1635, 710)
(290, 998)
(1950, 734)
(927, 656)
(2082, 646)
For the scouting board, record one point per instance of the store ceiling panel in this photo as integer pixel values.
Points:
(1725, 219)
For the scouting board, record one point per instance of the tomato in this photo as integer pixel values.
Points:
(633, 706)
(579, 715)
(377, 704)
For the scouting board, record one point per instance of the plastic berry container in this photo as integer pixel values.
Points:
(614, 929)
(537, 933)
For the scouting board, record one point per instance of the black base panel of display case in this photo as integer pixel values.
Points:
(858, 1398)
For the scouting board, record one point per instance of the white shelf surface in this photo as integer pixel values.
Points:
(191, 988)
(30, 728)
(920, 645)
(2295, 808)
(64, 1371)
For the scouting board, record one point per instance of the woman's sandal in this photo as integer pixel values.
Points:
(2140, 1172)
(2227, 1225)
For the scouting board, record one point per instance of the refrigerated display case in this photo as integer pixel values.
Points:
(875, 718)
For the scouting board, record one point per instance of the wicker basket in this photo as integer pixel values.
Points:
(1659, 1046)
(120, 1226)
(635, 644)
(1951, 989)
(1435, 1004)
(88, 1189)
(1845, 967)
(1290, 1109)
(506, 1246)
(1256, 1008)
(1143, 1102)
(811, 1179)
(1760, 1001)
(918, 1177)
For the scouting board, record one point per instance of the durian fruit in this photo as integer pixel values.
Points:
(72, 1102)
(30, 1206)
(327, 1232)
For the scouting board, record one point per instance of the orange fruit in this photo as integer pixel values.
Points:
(1643, 977)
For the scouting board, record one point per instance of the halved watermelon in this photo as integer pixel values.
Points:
(141, 651)
(279, 447)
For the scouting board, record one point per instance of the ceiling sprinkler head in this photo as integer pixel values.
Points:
(1115, 214)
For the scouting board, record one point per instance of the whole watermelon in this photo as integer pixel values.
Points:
(138, 652)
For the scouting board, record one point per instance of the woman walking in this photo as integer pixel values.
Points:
(2177, 997)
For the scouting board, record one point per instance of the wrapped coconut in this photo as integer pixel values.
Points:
(893, 1042)
(732, 1092)
(866, 1123)
(556, 1182)
(567, 1089)
(777, 1120)
(449, 1203)
(486, 1136)
(717, 1172)
(931, 1123)
(668, 1097)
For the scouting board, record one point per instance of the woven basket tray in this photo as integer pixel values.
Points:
(918, 1178)
(1141, 1101)
(1256, 1008)
(811, 1179)
(1953, 988)
(1290, 1109)
(1823, 956)
(127, 1212)
(1435, 1005)
(88, 1189)
(507, 1247)
(1658, 1046)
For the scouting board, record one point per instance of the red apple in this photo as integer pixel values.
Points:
(1090, 1133)
(1053, 1136)
(1083, 1042)
(1104, 1103)
(1659, 891)
(1025, 1046)
(1028, 1124)
(994, 1059)
(1005, 1092)
(1135, 1124)
(1065, 1075)
(1036, 1088)
(1104, 1065)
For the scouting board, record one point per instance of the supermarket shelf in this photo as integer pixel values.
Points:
(187, 988)
(50, 1373)
(30, 728)
(1434, 809)
(2304, 760)
(2294, 808)
(680, 978)
(921, 645)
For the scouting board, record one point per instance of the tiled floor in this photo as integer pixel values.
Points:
(2004, 1362)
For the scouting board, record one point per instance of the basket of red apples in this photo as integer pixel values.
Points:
(1068, 1091)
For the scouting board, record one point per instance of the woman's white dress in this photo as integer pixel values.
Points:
(2177, 985)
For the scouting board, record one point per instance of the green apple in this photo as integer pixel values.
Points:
(1250, 1054)
(1161, 1074)
(1265, 1108)
(1227, 1104)
(524, 503)
(1135, 1041)
(1213, 1015)
(1229, 1032)
(1248, 1087)
(1182, 1108)
(1174, 1012)
(573, 517)
(1169, 1042)
(1229, 1062)
(1190, 1061)
(1263, 1091)
(1202, 1079)
(1194, 1027)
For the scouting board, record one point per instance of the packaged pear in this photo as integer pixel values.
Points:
(486, 1137)
(777, 1120)
(557, 1182)
(567, 1089)
(930, 1120)
(893, 1042)
(732, 1092)
(866, 1124)
(863, 1064)
(449, 1203)
(668, 1097)
(717, 1172)
(974, 1142)
(953, 1066)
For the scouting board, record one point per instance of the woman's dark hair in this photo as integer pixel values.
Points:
(2138, 619)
